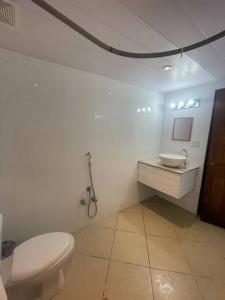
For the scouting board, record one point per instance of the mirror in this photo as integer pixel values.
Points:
(182, 128)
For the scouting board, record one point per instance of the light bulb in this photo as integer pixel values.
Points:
(190, 102)
(173, 105)
(196, 104)
(181, 104)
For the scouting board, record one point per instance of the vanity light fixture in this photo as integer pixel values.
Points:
(98, 116)
(145, 110)
(185, 104)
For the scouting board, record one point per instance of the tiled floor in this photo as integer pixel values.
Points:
(150, 251)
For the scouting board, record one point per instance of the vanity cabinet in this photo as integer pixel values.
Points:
(175, 182)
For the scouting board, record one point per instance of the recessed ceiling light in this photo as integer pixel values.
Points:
(167, 67)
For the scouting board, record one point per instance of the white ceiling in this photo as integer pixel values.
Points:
(132, 25)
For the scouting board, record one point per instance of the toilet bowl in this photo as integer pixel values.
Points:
(37, 267)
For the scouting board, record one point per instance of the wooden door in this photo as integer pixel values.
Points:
(212, 201)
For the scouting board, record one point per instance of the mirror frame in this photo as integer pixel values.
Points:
(190, 131)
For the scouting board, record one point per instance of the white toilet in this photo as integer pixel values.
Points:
(37, 267)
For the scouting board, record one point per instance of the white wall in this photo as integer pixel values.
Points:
(202, 118)
(46, 130)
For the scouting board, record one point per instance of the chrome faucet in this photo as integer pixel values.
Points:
(185, 153)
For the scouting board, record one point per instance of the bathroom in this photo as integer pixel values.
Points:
(63, 97)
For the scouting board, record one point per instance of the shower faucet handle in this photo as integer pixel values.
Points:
(88, 154)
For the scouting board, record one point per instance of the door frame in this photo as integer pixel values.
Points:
(207, 153)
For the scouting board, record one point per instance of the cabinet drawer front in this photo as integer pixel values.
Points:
(161, 180)
(150, 171)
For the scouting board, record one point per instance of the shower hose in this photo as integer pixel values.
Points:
(92, 200)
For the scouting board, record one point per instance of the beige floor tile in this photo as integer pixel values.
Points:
(130, 222)
(216, 234)
(134, 209)
(157, 225)
(174, 286)
(85, 279)
(107, 222)
(205, 259)
(149, 212)
(157, 206)
(167, 254)
(95, 241)
(149, 209)
(194, 232)
(174, 214)
(212, 289)
(221, 249)
(126, 282)
(130, 247)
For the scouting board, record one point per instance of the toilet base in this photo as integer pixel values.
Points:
(47, 290)
(52, 286)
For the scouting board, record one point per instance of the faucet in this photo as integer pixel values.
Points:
(185, 153)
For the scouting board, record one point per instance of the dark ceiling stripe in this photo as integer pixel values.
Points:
(57, 14)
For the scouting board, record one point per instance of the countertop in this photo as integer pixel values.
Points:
(155, 162)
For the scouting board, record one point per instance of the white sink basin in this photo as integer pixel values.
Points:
(172, 160)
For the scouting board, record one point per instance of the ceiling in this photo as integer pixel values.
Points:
(131, 25)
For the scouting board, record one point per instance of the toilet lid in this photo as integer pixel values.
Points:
(38, 254)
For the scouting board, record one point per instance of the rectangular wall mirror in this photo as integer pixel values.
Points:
(182, 128)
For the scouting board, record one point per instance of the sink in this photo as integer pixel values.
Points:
(172, 160)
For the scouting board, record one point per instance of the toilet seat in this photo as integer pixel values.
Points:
(38, 254)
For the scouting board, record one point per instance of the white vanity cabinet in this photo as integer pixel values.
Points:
(175, 182)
